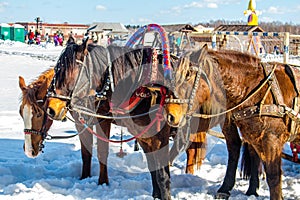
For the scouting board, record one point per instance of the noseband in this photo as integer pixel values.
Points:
(31, 131)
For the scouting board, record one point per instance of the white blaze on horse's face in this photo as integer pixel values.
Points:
(27, 118)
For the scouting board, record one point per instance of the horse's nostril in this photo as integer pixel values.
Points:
(170, 118)
(50, 112)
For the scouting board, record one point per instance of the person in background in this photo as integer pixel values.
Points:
(172, 42)
(38, 38)
(60, 39)
(47, 38)
(55, 39)
(30, 37)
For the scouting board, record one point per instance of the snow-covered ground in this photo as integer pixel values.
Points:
(55, 173)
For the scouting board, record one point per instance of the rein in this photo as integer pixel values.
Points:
(158, 118)
(206, 116)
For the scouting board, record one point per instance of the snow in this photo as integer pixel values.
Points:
(55, 173)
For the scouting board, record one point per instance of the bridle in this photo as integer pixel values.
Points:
(199, 73)
(108, 82)
(43, 131)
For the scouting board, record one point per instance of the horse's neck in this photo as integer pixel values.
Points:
(97, 66)
(233, 81)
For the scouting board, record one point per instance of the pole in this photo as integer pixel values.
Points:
(286, 44)
(214, 41)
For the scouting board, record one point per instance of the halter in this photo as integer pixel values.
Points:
(42, 132)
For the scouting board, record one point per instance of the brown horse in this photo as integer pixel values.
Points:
(237, 90)
(35, 118)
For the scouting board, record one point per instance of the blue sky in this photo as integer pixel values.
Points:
(145, 11)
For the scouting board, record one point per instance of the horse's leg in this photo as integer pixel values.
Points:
(190, 154)
(271, 156)
(196, 152)
(156, 191)
(233, 143)
(250, 165)
(160, 173)
(274, 180)
(254, 173)
(156, 149)
(102, 150)
(86, 142)
(267, 136)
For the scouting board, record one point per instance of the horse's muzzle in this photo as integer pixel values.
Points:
(57, 109)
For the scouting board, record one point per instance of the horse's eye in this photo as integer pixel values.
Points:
(39, 114)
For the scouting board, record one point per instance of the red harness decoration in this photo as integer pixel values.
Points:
(158, 118)
(295, 150)
(130, 104)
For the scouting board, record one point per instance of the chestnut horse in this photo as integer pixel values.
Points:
(36, 122)
(237, 90)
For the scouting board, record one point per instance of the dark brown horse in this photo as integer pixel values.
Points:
(237, 90)
(82, 69)
(65, 84)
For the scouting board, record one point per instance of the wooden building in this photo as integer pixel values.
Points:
(65, 29)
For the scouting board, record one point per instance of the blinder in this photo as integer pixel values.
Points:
(193, 68)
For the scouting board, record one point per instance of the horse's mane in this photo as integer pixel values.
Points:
(29, 95)
(66, 62)
(121, 57)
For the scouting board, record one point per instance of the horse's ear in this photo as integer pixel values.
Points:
(22, 84)
(81, 50)
(85, 45)
(43, 89)
(203, 52)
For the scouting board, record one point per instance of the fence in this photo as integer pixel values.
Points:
(285, 35)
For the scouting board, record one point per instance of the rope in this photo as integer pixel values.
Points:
(157, 118)
(205, 116)
(80, 111)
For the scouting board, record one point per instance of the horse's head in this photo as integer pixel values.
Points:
(36, 122)
(67, 70)
(191, 88)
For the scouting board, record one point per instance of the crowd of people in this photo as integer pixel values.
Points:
(57, 38)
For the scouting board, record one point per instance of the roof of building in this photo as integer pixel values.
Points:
(178, 27)
(239, 28)
(112, 27)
